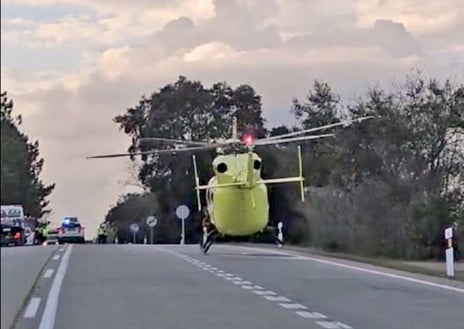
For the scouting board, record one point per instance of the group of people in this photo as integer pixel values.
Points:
(43, 230)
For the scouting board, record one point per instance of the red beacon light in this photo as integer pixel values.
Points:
(248, 139)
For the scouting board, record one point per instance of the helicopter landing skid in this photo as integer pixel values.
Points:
(208, 239)
(277, 234)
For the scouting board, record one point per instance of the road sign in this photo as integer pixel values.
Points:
(134, 228)
(449, 233)
(151, 221)
(182, 212)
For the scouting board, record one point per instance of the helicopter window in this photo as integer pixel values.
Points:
(257, 164)
(221, 168)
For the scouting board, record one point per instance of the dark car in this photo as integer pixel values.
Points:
(12, 235)
(12, 232)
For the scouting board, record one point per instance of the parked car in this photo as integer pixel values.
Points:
(52, 237)
(12, 225)
(12, 235)
(71, 231)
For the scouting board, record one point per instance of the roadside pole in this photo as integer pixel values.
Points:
(449, 252)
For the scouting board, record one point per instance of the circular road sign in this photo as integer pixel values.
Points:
(182, 212)
(151, 221)
(134, 228)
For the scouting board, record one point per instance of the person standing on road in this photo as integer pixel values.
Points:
(102, 234)
(41, 234)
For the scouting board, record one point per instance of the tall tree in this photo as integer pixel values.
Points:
(399, 176)
(21, 165)
(321, 107)
(186, 110)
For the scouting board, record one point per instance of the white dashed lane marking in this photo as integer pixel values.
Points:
(333, 325)
(277, 298)
(311, 315)
(48, 273)
(32, 307)
(292, 306)
(282, 301)
(265, 292)
(247, 287)
(56, 257)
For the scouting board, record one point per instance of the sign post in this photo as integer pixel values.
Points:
(134, 229)
(449, 252)
(182, 212)
(151, 222)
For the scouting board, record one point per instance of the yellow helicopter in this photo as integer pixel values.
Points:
(236, 196)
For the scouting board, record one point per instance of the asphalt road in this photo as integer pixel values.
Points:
(19, 269)
(173, 287)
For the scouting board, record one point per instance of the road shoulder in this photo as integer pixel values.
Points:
(20, 269)
(398, 268)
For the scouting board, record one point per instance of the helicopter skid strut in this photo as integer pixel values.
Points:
(210, 235)
(208, 238)
(277, 234)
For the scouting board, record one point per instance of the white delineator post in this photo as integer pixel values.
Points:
(449, 252)
(280, 235)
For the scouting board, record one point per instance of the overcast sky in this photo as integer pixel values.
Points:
(72, 65)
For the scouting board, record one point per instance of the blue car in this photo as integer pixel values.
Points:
(71, 231)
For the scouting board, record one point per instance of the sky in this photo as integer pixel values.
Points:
(72, 65)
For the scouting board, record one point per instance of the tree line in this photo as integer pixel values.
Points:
(387, 186)
(21, 166)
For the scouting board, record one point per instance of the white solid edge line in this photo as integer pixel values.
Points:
(390, 275)
(48, 316)
(32, 307)
(48, 273)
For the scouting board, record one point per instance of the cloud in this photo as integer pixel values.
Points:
(114, 22)
(133, 48)
(427, 17)
(315, 16)
(19, 22)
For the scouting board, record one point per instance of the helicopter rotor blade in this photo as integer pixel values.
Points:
(296, 133)
(288, 140)
(117, 155)
(159, 139)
